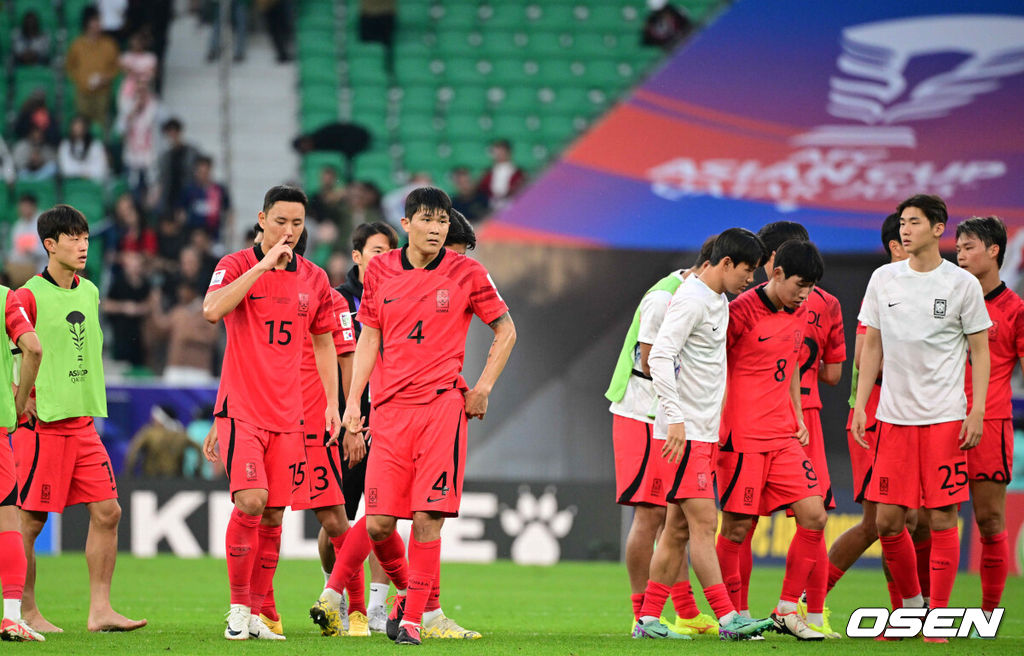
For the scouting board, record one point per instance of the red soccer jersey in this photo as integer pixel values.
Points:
(823, 341)
(423, 316)
(876, 391)
(27, 300)
(1005, 349)
(261, 379)
(313, 396)
(16, 319)
(762, 346)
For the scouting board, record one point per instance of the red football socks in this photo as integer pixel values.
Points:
(241, 541)
(266, 564)
(434, 600)
(800, 561)
(638, 604)
(424, 558)
(746, 566)
(13, 564)
(995, 566)
(895, 600)
(923, 551)
(718, 599)
(817, 582)
(898, 551)
(729, 561)
(654, 599)
(356, 585)
(682, 599)
(355, 547)
(834, 574)
(270, 606)
(391, 554)
(944, 563)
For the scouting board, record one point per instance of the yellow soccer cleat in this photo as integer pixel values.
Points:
(703, 624)
(358, 625)
(446, 628)
(826, 626)
(275, 626)
(681, 630)
(327, 616)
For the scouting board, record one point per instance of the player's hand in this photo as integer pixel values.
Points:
(858, 426)
(279, 255)
(803, 436)
(675, 443)
(970, 432)
(210, 446)
(476, 404)
(333, 422)
(353, 419)
(353, 448)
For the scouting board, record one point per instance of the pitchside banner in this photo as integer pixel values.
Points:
(826, 113)
(534, 523)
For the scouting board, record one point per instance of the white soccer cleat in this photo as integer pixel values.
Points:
(238, 623)
(343, 612)
(794, 625)
(260, 631)
(378, 616)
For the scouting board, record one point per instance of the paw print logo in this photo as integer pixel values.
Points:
(537, 525)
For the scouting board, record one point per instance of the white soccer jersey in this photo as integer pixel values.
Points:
(924, 320)
(639, 401)
(687, 362)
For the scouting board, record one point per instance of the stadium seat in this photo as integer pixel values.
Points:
(46, 11)
(412, 14)
(30, 78)
(419, 99)
(519, 99)
(84, 195)
(504, 15)
(465, 97)
(419, 126)
(456, 15)
(505, 43)
(462, 125)
(45, 191)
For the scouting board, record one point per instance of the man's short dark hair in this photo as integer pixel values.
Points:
(204, 159)
(171, 124)
(890, 231)
(285, 194)
(300, 245)
(739, 245)
(362, 233)
(28, 197)
(430, 199)
(798, 257)
(61, 220)
(933, 207)
(775, 234)
(89, 12)
(503, 143)
(989, 229)
(460, 231)
(705, 251)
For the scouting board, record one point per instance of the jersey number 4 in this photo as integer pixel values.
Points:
(416, 332)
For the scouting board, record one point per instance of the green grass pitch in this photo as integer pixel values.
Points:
(569, 609)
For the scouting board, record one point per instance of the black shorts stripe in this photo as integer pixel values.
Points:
(1007, 469)
(12, 498)
(628, 493)
(871, 470)
(732, 482)
(671, 496)
(455, 454)
(828, 497)
(231, 449)
(31, 471)
(334, 467)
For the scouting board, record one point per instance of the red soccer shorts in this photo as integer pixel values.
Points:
(861, 458)
(322, 486)
(57, 471)
(992, 459)
(815, 451)
(418, 457)
(258, 459)
(761, 483)
(694, 477)
(918, 465)
(641, 474)
(8, 477)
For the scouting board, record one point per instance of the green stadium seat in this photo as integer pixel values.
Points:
(44, 9)
(587, 45)
(553, 16)
(471, 153)
(468, 98)
(45, 191)
(370, 100)
(84, 195)
(419, 99)
(516, 125)
(556, 129)
(366, 69)
(504, 15)
(30, 78)
(512, 71)
(517, 100)
(456, 15)
(547, 43)
(419, 153)
(312, 163)
(374, 160)
(419, 71)
(469, 71)
(311, 120)
(423, 127)
(413, 50)
(415, 14)
(462, 125)
(505, 43)
(556, 72)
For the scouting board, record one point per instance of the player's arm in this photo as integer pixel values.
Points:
(219, 302)
(326, 366)
(794, 395)
(653, 309)
(675, 329)
(210, 444)
(870, 365)
(501, 349)
(362, 366)
(970, 433)
(345, 365)
(830, 372)
(645, 354)
(31, 356)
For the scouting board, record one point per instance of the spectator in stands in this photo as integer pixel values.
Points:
(8, 172)
(112, 14)
(377, 24)
(171, 238)
(153, 18)
(200, 240)
(31, 44)
(92, 64)
(328, 203)
(34, 113)
(161, 446)
(239, 24)
(468, 198)
(503, 179)
(34, 158)
(80, 155)
(394, 200)
(337, 268)
(206, 203)
(175, 165)
(130, 233)
(277, 16)
(363, 203)
(129, 301)
(26, 255)
(139, 66)
(138, 126)
(665, 25)
(191, 340)
(189, 271)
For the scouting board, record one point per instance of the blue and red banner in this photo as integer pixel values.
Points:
(825, 113)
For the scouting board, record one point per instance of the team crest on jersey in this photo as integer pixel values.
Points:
(993, 330)
(346, 319)
(442, 300)
(798, 340)
(44, 494)
(303, 304)
(939, 308)
(371, 497)
(702, 481)
(748, 496)
(883, 485)
(656, 487)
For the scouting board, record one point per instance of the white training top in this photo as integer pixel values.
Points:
(688, 360)
(924, 319)
(639, 401)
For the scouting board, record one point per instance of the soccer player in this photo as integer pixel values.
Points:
(641, 473)
(270, 301)
(687, 363)
(461, 235)
(12, 405)
(980, 245)
(921, 314)
(58, 455)
(762, 466)
(417, 305)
